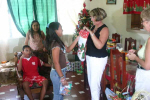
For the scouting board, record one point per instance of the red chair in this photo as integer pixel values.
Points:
(118, 65)
(117, 68)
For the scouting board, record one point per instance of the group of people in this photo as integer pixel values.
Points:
(96, 55)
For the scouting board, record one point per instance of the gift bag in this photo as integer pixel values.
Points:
(109, 94)
(65, 90)
(81, 44)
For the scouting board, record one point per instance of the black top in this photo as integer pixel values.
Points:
(91, 49)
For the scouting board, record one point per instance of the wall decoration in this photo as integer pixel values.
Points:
(135, 6)
(111, 2)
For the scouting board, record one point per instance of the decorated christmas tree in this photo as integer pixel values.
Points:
(84, 20)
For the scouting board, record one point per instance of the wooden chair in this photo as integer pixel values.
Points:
(116, 37)
(118, 65)
(34, 89)
(117, 69)
(130, 44)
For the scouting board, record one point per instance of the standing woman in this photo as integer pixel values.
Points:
(57, 51)
(96, 54)
(142, 79)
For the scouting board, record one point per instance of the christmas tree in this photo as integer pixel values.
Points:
(84, 20)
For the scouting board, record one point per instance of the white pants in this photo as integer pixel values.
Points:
(95, 68)
(142, 80)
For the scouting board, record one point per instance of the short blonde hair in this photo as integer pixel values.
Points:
(145, 14)
(99, 13)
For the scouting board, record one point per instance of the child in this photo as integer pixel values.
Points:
(29, 64)
(57, 51)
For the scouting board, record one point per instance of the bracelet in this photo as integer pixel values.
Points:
(92, 35)
(62, 77)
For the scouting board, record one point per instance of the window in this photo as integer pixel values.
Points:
(8, 28)
(68, 14)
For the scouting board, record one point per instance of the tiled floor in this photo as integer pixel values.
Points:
(77, 93)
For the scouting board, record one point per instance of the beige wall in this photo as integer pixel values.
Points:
(116, 21)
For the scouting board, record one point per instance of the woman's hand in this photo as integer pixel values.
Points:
(131, 51)
(131, 56)
(63, 81)
(86, 28)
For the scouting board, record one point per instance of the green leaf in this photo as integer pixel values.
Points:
(83, 55)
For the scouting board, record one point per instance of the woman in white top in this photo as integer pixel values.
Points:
(143, 57)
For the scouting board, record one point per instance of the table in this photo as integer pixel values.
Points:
(8, 73)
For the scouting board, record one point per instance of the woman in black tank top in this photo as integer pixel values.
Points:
(96, 54)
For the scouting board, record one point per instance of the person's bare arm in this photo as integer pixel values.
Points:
(27, 39)
(99, 42)
(68, 49)
(20, 68)
(47, 65)
(20, 63)
(43, 35)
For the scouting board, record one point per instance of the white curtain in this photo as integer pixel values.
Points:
(7, 30)
(68, 14)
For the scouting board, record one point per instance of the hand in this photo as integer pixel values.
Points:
(85, 28)
(63, 81)
(131, 51)
(131, 56)
(20, 78)
(22, 56)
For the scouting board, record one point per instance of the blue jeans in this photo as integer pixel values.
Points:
(56, 83)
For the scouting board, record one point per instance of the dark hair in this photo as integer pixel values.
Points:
(52, 36)
(32, 31)
(25, 46)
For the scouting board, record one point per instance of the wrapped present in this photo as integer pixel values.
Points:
(74, 66)
(65, 90)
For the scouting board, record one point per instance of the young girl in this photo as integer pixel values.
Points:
(57, 51)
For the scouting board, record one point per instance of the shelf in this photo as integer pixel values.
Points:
(142, 31)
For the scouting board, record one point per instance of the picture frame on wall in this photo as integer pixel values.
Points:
(110, 1)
